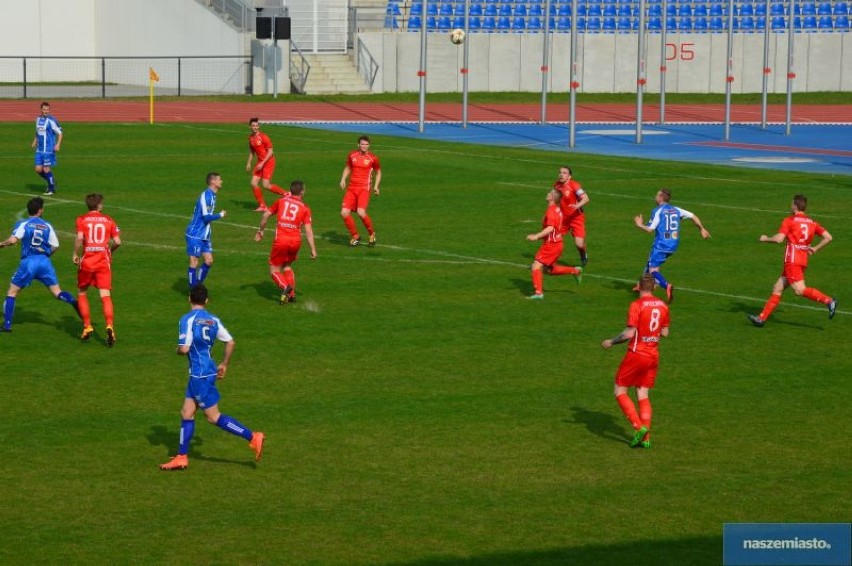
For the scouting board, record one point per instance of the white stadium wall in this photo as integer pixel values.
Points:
(696, 62)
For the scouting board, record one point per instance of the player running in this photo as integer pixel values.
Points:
(551, 247)
(261, 146)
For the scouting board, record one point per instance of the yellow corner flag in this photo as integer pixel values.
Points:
(153, 77)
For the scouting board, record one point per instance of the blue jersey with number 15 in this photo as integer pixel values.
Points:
(198, 330)
(665, 221)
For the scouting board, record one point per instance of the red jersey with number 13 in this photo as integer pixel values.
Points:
(290, 213)
(799, 231)
(361, 167)
(648, 315)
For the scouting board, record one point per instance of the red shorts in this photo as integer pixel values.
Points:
(793, 273)
(99, 279)
(266, 171)
(637, 371)
(549, 253)
(575, 225)
(356, 198)
(284, 252)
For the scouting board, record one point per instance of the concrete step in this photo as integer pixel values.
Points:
(334, 74)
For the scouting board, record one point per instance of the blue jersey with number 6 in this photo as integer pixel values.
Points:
(198, 330)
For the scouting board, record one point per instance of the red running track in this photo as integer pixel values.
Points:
(196, 111)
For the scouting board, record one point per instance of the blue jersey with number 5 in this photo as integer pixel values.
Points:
(665, 221)
(198, 330)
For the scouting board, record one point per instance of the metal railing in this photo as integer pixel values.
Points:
(368, 68)
(299, 68)
(236, 13)
(103, 77)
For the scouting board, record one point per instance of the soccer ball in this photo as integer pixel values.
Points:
(457, 36)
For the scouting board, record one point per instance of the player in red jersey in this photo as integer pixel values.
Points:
(798, 232)
(360, 163)
(551, 248)
(574, 198)
(261, 146)
(97, 239)
(647, 322)
(291, 214)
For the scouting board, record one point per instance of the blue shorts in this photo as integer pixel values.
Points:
(195, 247)
(38, 267)
(45, 158)
(203, 391)
(658, 257)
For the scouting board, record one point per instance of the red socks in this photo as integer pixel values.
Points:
(629, 410)
(537, 280)
(368, 224)
(108, 314)
(816, 295)
(564, 270)
(645, 415)
(277, 190)
(83, 306)
(770, 306)
(258, 195)
(350, 225)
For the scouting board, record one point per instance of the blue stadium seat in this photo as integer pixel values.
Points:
(671, 23)
(655, 23)
(535, 24)
(700, 10)
(655, 11)
(582, 9)
(684, 10)
(393, 8)
(458, 22)
(809, 9)
(746, 10)
(716, 9)
(760, 10)
(717, 25)
(475, 23)
(563, 23)
(519, 23)
(841, 9)
(564, 10)
(505, 10)
(536, 10)
(431, 23)
(432, 9)
(760, 23)
(776, 9)
(623, 24)
(685, 23)
(700, 24)
(581, 23)
(491, 9)
(444, 23)
(608, 24)
(825, 22)
(593, 24)
(671, 9)
(503, 24)
(747, 23)
(841, 23)
(416, 9)
(520, 10)
(488, 23)
(446, 10)
(609, 10)
(594, 11)
(414, 23)
(476, 9)
(779, 23)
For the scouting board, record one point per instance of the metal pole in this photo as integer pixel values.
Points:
(25, 77)
(572, 106)
(545, 56)
(663, 67)
(466, 58)
(422, 72)
(274, 63)
(103, 77)
(766, 69)
(640, 71)
(729, 74)
(178, 76)
(791, 74)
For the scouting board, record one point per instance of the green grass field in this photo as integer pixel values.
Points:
(418, 409)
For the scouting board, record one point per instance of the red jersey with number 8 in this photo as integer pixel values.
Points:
(648, 315)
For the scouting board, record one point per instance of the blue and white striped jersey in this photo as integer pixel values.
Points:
(198, 330)
(199, 225)
(47, 130)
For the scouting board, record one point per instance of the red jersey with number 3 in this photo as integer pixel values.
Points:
(361, 167)
(291, 214)
(260, 144)
(799, 231)
(97, 230)
(648, 315)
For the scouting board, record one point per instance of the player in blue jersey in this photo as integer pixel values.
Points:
(38, 241)
(46, 143)
(665, 224)
(198, 244)
(198, 330)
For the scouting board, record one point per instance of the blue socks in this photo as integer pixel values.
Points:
(187, 429)
(191, 275)
(66, 297)
(661, 281)
(51, 182)
(233, 426)
(202, 274)
(8, 311)
(197, 275)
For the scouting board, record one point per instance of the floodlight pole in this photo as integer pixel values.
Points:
(791, 74)
(663, 67)
(464, 70)
(422, 74)
(544, 62)
(766, 69)
(640, 71)
(572, 106)
(729, 74)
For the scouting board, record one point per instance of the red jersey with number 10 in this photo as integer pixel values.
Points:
(361, 167)
(291, 213)
(648, 315)
(799, 231)
(97, 229)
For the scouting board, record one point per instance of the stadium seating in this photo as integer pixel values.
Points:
(717, 24)
(416, 9)
(519, 23)
(608, 24)
(431, 9)
(534, 23)
(655, 24)
(414, 23)
(841, 9)
(593, 24)
(444, 23)
(825, 23)
(503, 24)
(536, 10)
(747, 23)
(841, 23)
(563, 23)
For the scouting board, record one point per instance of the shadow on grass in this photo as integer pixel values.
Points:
(70, 324)
(693, 551)
(774, 319)
(170, 438)
(335, 238)
(599, 424)
(265, 290)
(181, 286)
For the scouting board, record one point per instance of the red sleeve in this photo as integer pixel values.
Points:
(633, 314)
